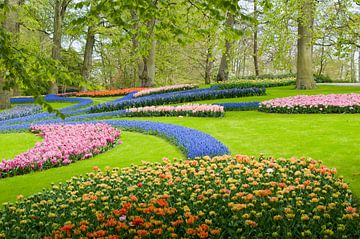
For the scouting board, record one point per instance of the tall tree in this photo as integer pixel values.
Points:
(59, 10)
(88, 54)
(223, 73)
(255, 40)
(304, 78)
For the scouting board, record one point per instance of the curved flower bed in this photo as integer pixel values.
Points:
(195, 110)
(192, 142)
(19, 111)
(106, 93)
(332, 103)
(221, 197)
(176, 97)
(74, 109)
(165, 89)
(62, 145)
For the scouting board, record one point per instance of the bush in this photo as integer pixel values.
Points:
(220, 197)
(255, 83)
(322, 79)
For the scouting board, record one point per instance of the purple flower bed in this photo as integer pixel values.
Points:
(19, 111)
(176, 97)
(63, 144)
(332, 103)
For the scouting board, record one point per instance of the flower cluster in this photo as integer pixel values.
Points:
(220, 197)
(195, 110)
(19, 111)
(239, 106)
(192, 142)
(177, 97)
(165, 89)
(332, 103)
(256, 83)
(62, 145)
(106, 93)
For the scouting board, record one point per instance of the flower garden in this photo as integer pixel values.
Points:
(204, 193)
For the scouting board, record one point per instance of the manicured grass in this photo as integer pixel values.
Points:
(60, 105)
(16, 143)
(99, 100)
(135, 149)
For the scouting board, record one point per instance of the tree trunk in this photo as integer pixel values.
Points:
(255, 42)
(60, 9)
(208, 67)
(223, 73)
(358, 78)
(87, 63)
(147, 63)
(305, 78)
(352, 66)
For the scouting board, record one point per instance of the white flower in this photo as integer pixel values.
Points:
(269, 170)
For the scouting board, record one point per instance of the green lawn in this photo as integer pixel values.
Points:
(334, 139)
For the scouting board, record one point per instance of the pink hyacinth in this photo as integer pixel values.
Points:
(62, 145)
(310, 101)
(193, 108)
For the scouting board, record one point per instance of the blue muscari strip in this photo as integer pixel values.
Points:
(193, 142)
(239, 105)
(45, 115)
(19, 111)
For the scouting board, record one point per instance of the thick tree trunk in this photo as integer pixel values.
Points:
(305, 78)
(87, 63)
(60, 9)
(223, 73)
(208, 67)
(255, 41)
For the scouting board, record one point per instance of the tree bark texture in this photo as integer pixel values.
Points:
(87, 63)
(305, 78)
(223, 73)
(208, 66)
(60, 9)
(255, 42)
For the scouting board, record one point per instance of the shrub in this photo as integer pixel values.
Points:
(255, 83)
(220, 197)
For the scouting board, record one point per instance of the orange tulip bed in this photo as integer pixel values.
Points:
(104, 93)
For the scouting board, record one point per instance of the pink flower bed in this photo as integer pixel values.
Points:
(165, 89)
(62, 145)
(332, 103)
(200, 110)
